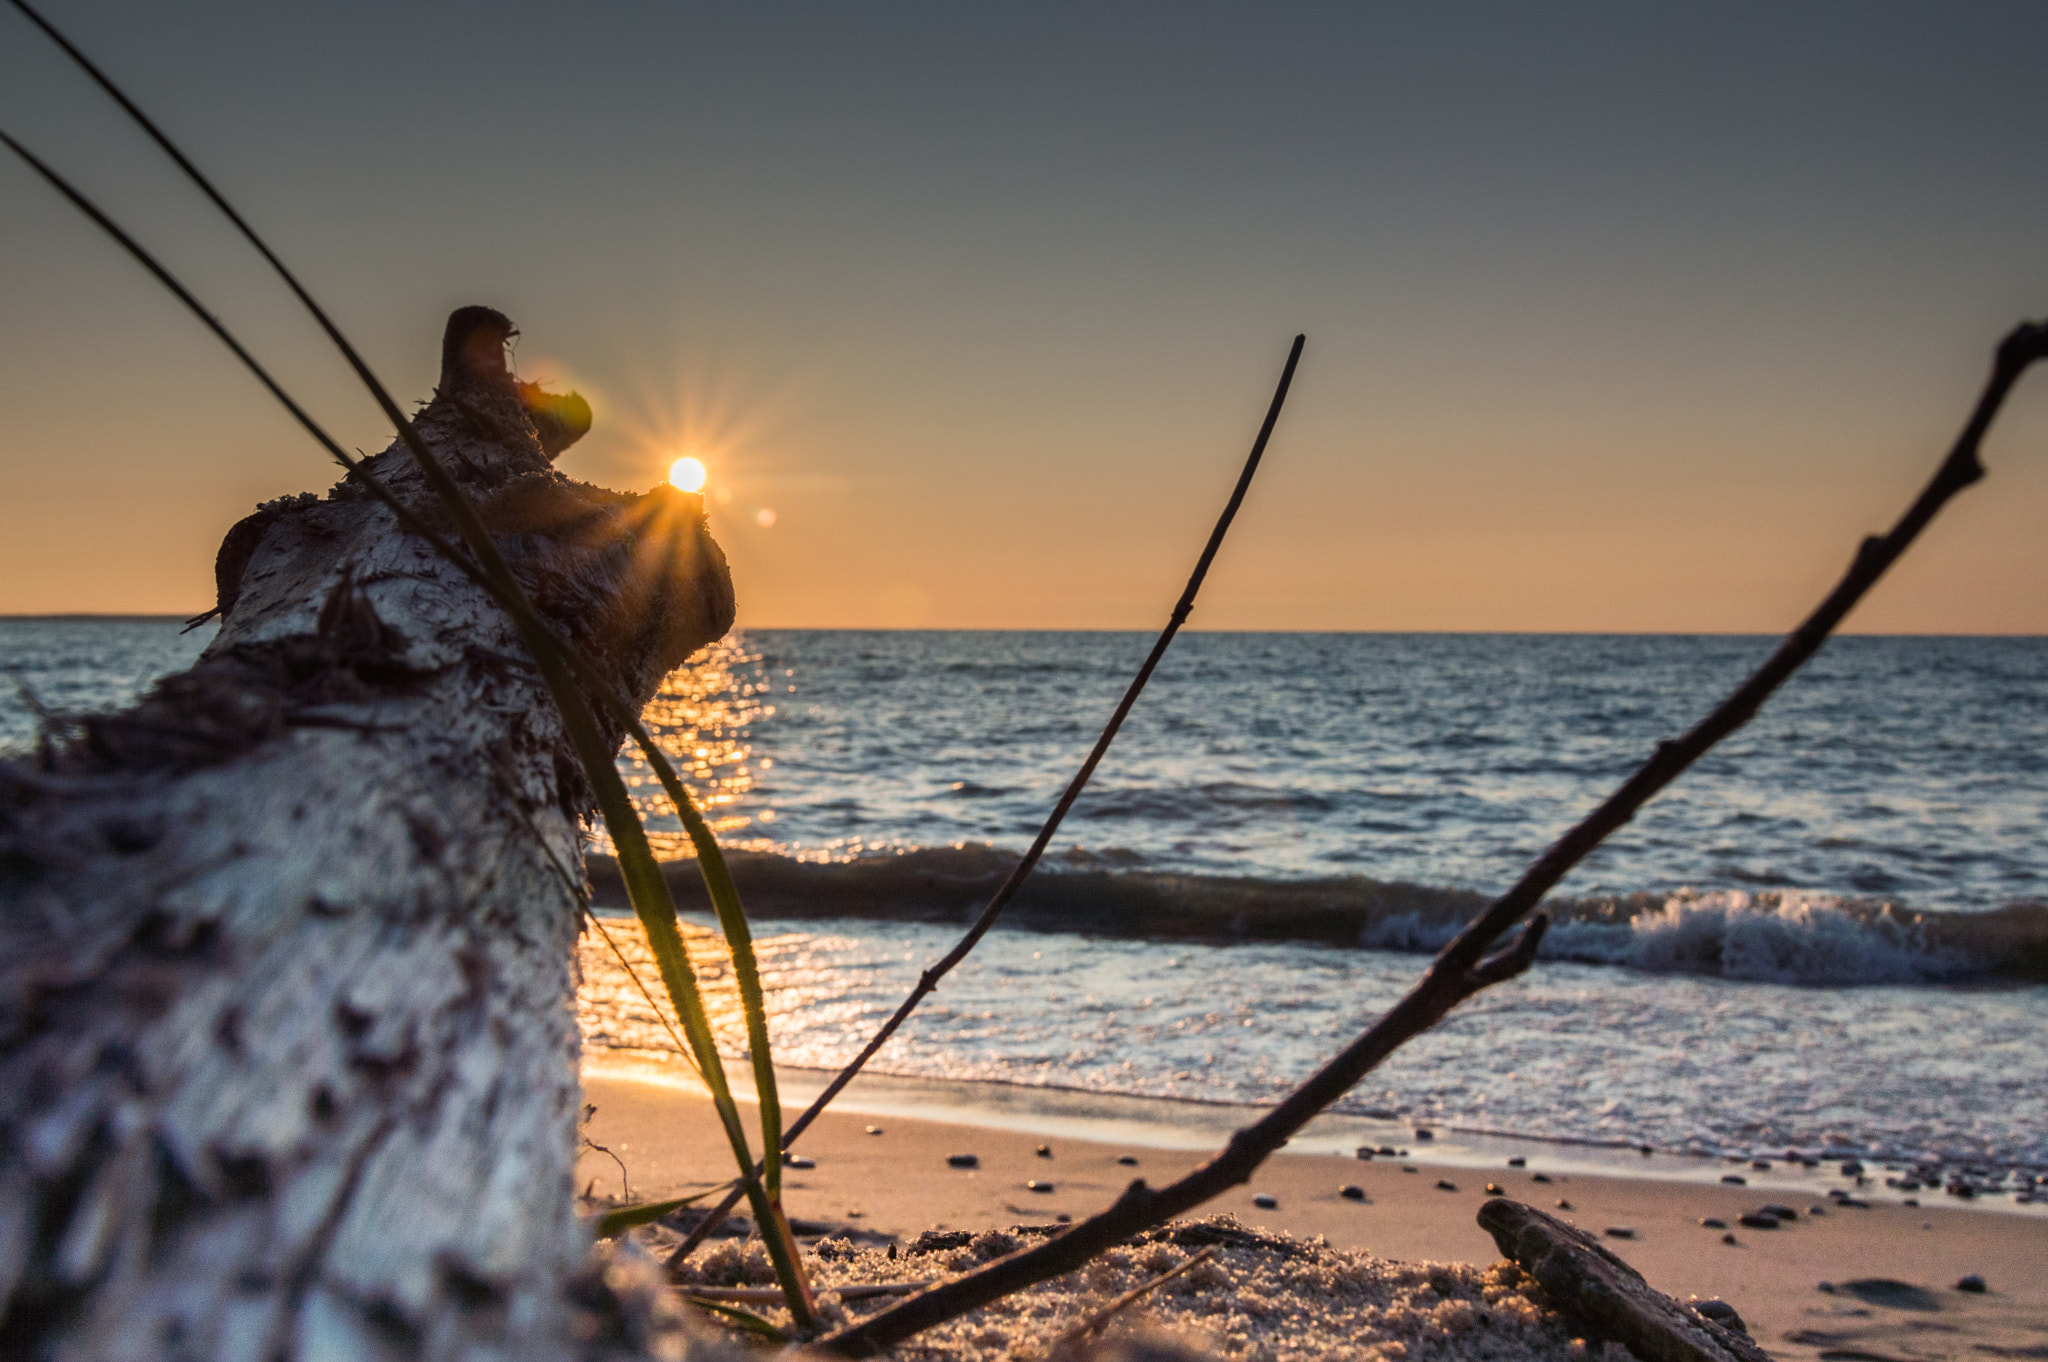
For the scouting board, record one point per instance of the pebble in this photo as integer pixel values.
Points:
(1424, 1133)
(1816, 1209)
(1351, 1193)
(1447, 1186)
(1036, 1186)
(1266, 1203)
(1410, 1168)
(962, 1161)
(1366, 1151)
(1910, 1201)
(1128, 1160)
(1749, 1220)
(1063, 1219)
(1518, 1162)
(874, 1130)
(1539, 1177)
(798, 1161)
(1761, 1165)
(1852, 1169)
(1563, 1205)
(1045, 1151)
(1782, 1212)
(1713, 1222)
(1735, 1179)
(1972, 1284)
(1387, 1151)
(1620, 1232)
(1730, 1239)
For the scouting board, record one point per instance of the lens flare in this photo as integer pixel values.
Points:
(687, 474)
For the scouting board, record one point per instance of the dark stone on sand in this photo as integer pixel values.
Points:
(1410, 1168)
(1852, 1169)
(1735, 1179)
(1351, 1192)
(1493, 1189)
(1045, 1151)
(1518, 1162)
(1444, 1185)
(1063, 1218)
(1852, 1201)
(1387, 1151)
(798, 1161)
(1036, 1186)
(1721, 1312)
(1761, 1165)
(1539, 1177)
(1782, 1212)
(1424, 1133)
(1816, 1209)
(1128, 1160)
(1620, 1232)
(1752, 1221)
(1563, 1205)
(1884, 1291)
(874, 1130)
(1266, 1203)
(1972, 1284)
(962, 1161)
(1366, 1151)
(1910, 1201)
(1713, 1222)
(1730, 1239)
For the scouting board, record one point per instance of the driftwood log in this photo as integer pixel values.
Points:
(287, 1038)
(1608, 1299)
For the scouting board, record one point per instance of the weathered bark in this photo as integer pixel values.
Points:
(287, 1039)
(1607, 1298)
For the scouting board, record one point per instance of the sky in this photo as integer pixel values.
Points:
(1620, 317)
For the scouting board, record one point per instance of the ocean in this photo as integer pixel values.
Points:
(1827, 939)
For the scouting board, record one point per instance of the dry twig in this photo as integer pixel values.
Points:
(1007, 891)
(1463, 968)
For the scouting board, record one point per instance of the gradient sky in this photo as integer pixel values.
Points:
(1620, 317)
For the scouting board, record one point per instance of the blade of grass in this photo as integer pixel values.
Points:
(617, 1222)
(711, 862)
(645, 886)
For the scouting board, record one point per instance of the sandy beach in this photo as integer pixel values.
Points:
(891, 1176)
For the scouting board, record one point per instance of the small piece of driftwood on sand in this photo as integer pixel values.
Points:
(287, 1038)
(1607, 1298)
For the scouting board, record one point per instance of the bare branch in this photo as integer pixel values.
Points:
(1007, 891)
(1463, 967)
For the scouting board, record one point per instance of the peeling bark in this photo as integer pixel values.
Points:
(287, 1038)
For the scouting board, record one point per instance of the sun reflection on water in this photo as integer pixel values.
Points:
(702, 719)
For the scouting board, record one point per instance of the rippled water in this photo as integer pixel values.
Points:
(1568, 1051)
(1908, 769)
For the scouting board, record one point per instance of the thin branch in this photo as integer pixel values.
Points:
(1007, 891)
(1463, 968)
(1131, 1297)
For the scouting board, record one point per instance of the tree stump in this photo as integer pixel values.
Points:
(287, 1034)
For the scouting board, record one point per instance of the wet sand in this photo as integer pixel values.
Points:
(898, 1183)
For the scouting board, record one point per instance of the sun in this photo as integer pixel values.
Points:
(687, 474)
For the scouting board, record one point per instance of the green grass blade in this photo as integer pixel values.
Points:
(746, 1319)
(739, 939)
(617, 1222)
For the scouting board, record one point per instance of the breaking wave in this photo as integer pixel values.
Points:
(1778, 936)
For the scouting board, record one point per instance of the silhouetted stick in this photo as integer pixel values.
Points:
(1461, 969)
(929, 980)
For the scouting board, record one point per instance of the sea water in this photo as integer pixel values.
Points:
(1738, 981)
